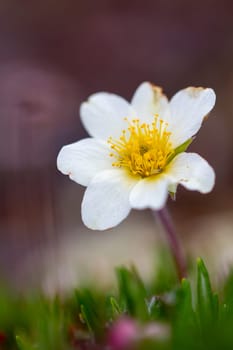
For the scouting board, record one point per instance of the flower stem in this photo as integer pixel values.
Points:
(173, 240)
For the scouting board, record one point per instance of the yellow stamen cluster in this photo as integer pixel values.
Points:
(143, 149)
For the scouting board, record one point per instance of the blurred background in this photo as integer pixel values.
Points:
(53, 55)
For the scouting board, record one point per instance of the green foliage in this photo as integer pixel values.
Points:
(193, 315)
(180, 149)
(206, 300)
(132, 293)
(185, 319)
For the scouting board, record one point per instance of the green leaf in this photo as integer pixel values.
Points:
(185, 325)
(165, 277)
(132, 293)
(207, 303)
(116, 309)
(92, 306)
(187, 296)
(216, 305)
(180, 149)
(86, 318)
(23, 343)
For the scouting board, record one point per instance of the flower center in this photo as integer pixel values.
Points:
(143, 149)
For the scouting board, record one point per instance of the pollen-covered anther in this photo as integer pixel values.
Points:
(143, 149)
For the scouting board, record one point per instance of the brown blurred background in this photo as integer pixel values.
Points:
(53, 54)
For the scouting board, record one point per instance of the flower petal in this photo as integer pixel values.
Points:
(82, 160)
(149, 100)
(106, 200)
(103, 115)
(188, 109)
(191, 171)
(150, 193)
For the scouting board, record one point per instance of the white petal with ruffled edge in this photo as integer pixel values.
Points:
(82, 160)
(188, 108)
(106, 200)
(149, 100)
(191, 171)
(150, 193)
(103, 115)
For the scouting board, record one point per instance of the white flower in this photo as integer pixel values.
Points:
(135, 155)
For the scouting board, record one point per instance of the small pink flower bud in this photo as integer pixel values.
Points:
(122, 334)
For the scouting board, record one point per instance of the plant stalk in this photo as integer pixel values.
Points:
(173, 241)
